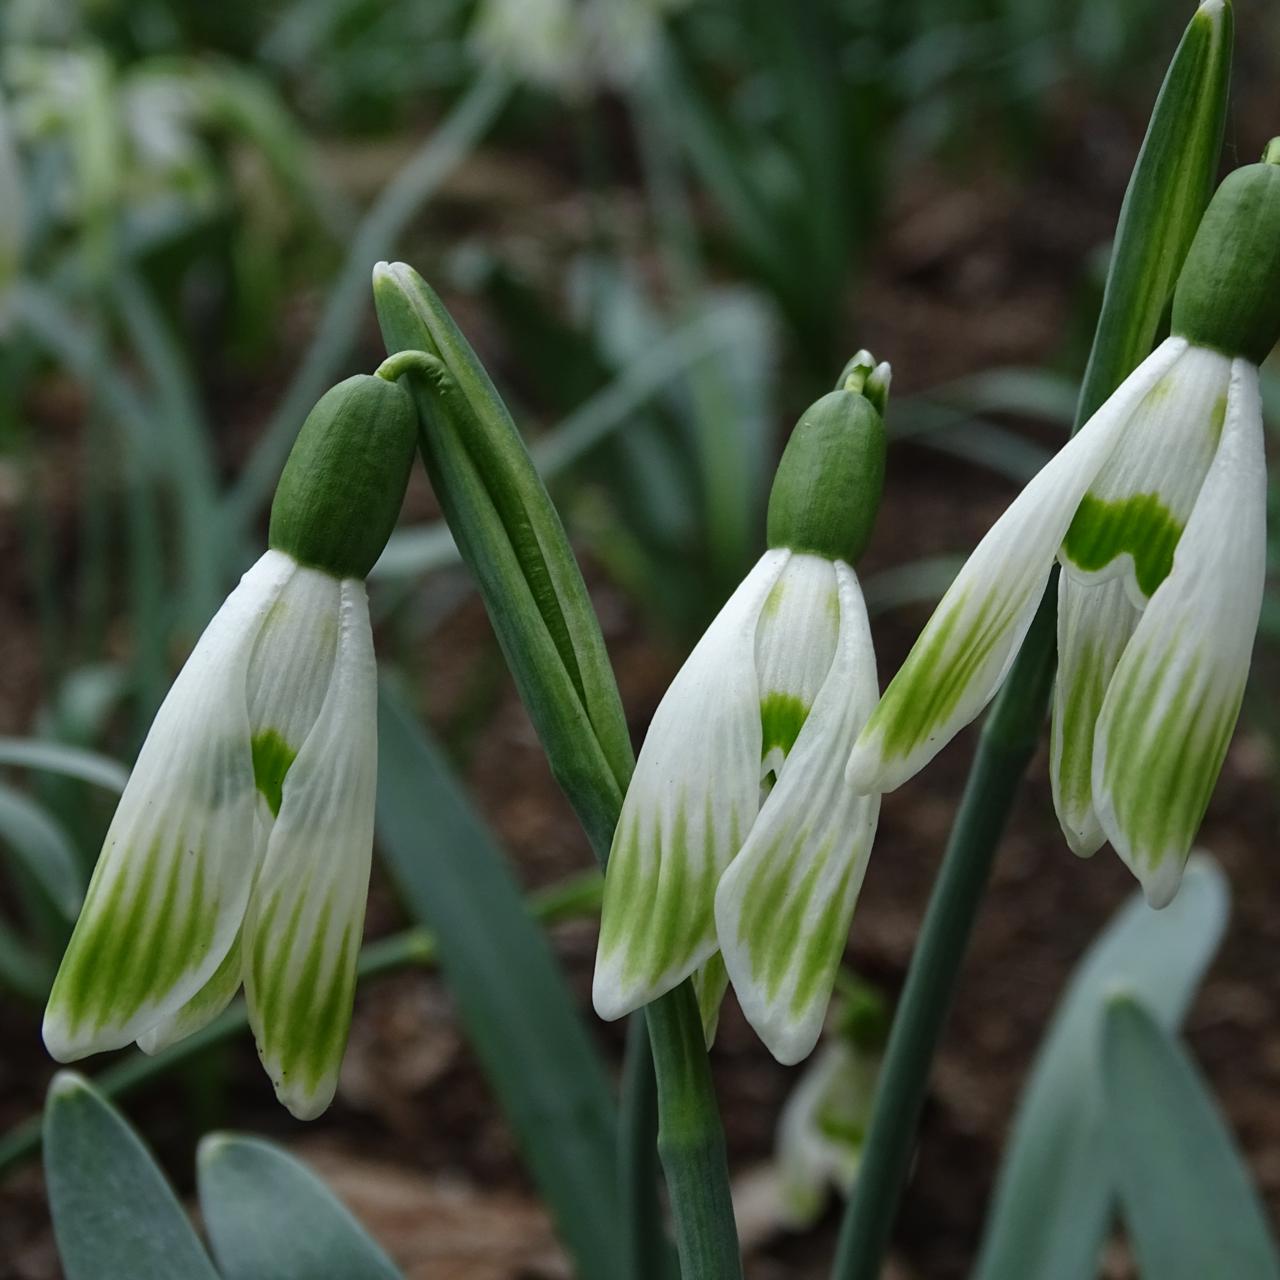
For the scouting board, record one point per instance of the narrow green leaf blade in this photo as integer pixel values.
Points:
(114, 1215)
(267, 1214)
(1053, 1201)
(72, 762)
(43, 848)
(512, 998)
(1185, 1193)
(1171, 184)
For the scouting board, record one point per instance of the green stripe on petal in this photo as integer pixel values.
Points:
(784, 905)
(1172, 705)
(1095, 621)
(272, 756)
(303, 929)
(966, 648)
(1129, 522)
(692, 799)
(169, 892)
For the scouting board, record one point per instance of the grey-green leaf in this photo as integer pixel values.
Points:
(114, 1215)
(268, 1215)
(1188, 1204)
(518, 1013)
(1053, 1198)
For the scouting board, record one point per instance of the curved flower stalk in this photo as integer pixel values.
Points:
(1156, 511)
(240, 849)
(738, 834)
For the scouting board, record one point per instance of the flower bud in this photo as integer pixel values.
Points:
(827, 488)
(343, 485)
(1228, 295)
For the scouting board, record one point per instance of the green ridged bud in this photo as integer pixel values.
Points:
(1228, 295)
(827, 489)
(341, 490)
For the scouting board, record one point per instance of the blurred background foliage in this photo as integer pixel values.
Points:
(664, 223)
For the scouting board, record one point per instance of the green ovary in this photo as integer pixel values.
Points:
(1141, 526)
(272, 758)
(782, 716)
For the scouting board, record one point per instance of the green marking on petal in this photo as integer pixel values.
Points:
(272, 757)
(782, 716)
(773, 601)
(926, 691)
(134, 942)
(1140, 525)
(1080, 703)
(1162, 766)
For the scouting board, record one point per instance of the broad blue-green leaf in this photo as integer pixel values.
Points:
(1054, 1199)
(268, 1215)
(114, 1215)
(518, 1012)
(1188, 1204)
(33, 839)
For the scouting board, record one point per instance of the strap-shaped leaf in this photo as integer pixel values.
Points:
(267, 1214)
(1054, 1198)
(40, 845)
(114, 1215)
(518, 1013)
(58, 757)
(1185, 1193)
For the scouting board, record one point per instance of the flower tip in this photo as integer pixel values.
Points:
(306, 1104)
(1084, 842)
(610, 998)
(1160, 883)
(62, 1044)
(865, 772)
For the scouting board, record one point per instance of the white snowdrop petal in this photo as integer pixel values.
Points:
(1173, 701)
(795, 643)
(784, 905)
(169, 891)
(1095, 621)
(691, 802)
(304, 924)
(967, 647)
(1133, 514)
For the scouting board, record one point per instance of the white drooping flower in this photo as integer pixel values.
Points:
(738, 834)
(1156, 511)
(822, 1129)
(240, 850)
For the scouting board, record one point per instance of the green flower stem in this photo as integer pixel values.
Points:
(1163, 205)
(510, 535)
(1008, 740)
(572, 898)
(691, 1140)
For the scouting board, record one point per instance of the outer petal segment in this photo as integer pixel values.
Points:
(1173, 702)
(966, 648)
(169, 891)
(692, 799)
(1130, 520)
(302, 933)
(784, 905)
(1095, 622)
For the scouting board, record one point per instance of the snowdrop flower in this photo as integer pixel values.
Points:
(823, 1125)
(240, 849)
(738, 833)
(1156, 511)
